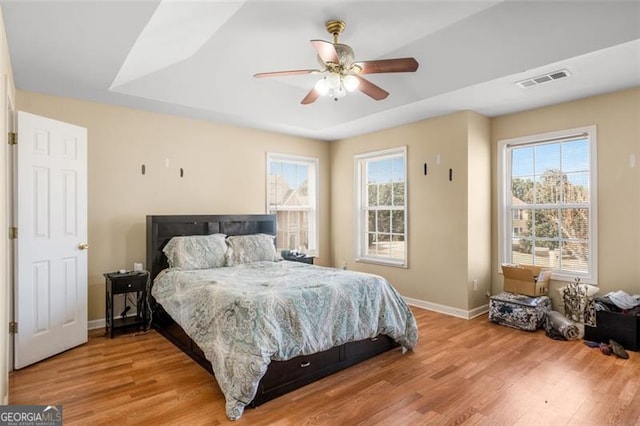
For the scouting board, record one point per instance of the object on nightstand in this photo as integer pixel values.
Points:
(295, 256)
(126, 309)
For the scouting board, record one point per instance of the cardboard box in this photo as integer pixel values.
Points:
(526, 279)
(624, 329)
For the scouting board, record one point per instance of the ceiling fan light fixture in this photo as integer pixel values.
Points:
(338, 92)
(350, 82)
(336, 85)
(333, 80)
(321, 86)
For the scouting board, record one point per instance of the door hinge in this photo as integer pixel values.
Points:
(13, 138)
(13, 327)
(13, 232)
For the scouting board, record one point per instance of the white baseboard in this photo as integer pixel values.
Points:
(101, 323)
(95, 324)
(448, 310)
(480, 310)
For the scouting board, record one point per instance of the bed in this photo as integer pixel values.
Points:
(259, 292)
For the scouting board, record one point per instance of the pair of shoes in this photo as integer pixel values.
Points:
(605, 349)
(618, 349)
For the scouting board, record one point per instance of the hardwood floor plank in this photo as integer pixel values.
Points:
(463, 372)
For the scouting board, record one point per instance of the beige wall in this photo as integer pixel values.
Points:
(224, 173)
(7, 94)
(617, 117)
(479, 210)
(438, 224)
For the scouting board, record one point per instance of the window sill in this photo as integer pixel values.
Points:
(373, 261)
(568, 278)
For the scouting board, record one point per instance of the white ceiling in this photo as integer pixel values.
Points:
(197, 58)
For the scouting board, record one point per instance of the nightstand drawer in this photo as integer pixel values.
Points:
(129, 282)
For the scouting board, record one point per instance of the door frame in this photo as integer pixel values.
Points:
(6, 281)
(11, 212)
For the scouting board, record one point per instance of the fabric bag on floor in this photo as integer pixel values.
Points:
(556, 324)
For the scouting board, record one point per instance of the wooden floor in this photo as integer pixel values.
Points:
(462, 372)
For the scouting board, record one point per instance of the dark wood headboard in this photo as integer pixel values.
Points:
(160, 229)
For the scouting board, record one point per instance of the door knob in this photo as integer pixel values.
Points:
(83, 246)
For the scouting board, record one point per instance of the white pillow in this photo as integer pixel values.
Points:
(197, 251)
(251, 248)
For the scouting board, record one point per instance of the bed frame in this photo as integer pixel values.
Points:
(281, 376)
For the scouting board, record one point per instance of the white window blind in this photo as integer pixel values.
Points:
(548, 202)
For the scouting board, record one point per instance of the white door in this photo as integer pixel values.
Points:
(51, 255)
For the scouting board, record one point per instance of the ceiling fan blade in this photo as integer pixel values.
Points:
(370, 89)
(281, 73)
(311, 97)
(388, 65)
(326, 51)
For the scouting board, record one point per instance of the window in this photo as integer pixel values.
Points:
(548, 196)
(292, 195)
(381, 222)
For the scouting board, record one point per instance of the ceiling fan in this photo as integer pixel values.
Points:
(342, 73)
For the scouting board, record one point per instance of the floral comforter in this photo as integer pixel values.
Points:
(244, 316)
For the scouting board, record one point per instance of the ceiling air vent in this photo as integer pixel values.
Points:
(545, 78)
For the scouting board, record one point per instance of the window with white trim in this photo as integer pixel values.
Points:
(292, 195)
(381, 206)
(548, 202)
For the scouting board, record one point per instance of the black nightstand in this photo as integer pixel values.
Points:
(302, 259)
(124, 283)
